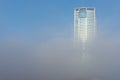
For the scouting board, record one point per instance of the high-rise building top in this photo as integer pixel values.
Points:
(84, 24)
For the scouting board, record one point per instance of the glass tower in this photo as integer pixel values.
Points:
(84, 24)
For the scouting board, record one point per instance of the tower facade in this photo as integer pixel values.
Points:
(84, 24)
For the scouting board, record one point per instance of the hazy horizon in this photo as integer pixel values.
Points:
(36, 38)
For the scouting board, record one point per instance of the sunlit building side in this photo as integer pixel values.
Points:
(84, 24)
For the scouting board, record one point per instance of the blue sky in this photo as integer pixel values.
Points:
(38, 20)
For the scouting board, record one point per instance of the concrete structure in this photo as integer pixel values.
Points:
(84, 24)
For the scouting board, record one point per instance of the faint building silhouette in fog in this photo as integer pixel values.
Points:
(84, 24)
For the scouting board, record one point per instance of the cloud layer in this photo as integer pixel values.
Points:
(60, 60)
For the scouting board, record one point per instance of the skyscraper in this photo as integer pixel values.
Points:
(84, 24)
